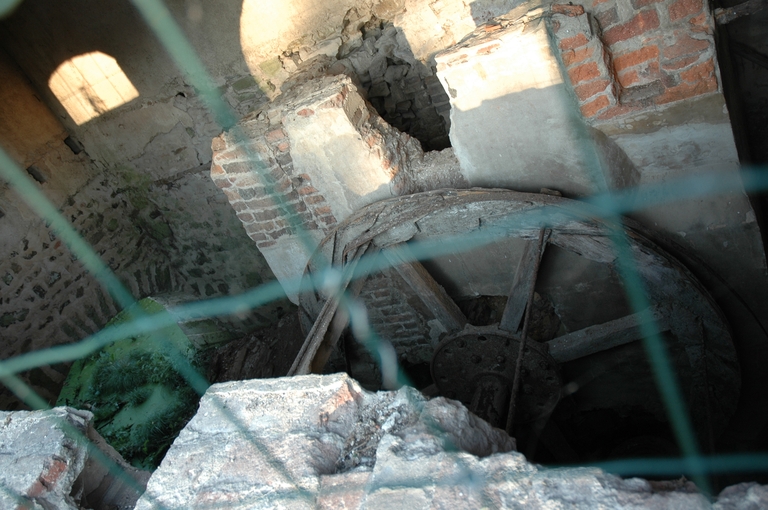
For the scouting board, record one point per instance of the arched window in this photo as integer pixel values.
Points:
(91, 84)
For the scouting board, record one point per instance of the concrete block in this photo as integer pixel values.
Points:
(508, 83)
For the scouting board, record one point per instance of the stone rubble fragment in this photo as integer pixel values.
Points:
(45, 463)
(324, 442)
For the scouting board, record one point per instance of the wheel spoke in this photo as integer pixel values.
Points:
(431, 293)
(525, 280)
(329, 325)
(604, 336)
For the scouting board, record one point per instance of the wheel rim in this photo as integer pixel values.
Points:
(683, 310)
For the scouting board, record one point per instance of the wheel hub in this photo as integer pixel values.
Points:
(477, 368)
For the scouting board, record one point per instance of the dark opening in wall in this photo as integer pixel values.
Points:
(73, 144)
(404, 91)
(1, 213)
(37, 174)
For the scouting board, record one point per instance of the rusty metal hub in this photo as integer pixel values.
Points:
(477, 368)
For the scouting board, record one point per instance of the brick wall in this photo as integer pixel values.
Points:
(259, 181)
(624, 56)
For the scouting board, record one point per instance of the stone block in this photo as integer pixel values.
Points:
(323, 442)
(45, 463)
(530, 113)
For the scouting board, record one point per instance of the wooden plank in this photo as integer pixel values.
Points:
(431, 293)
(728, 14)
(303, 363)
(338, 325)
(604, 336)
(525, 280)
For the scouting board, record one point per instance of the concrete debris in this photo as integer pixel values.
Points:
(45, 463)
(324, 442)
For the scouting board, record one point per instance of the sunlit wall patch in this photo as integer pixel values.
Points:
(90, 85)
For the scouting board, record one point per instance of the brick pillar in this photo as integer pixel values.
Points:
(622, 59)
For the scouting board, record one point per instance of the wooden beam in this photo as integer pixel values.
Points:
(601, 337)
(525, 280)
(431, 293)
(320, 334)
(726, 15)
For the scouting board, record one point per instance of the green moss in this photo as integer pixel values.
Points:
(133, 386)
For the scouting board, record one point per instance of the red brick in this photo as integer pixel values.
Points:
(267, 215)
(218, 144)
(629, 78)
(217, 170)
(571, 57)
(232, 195)
(258, 204)
(701, 23)
(593, 107)
(258, 236)
(680, 63)
(239, 167)
(568, 9)
(49, 479)
(607, 18)
(644, 21)
(637, 4)
(306, 190)
(306, 112)
(275, 135)
(685, 45)
(616, 111)
(328, 220)
(686, 90)
(222, 183)
(245, 217)
(233, 154)
(634, 58)
(641, 76)
(699, 72)
(573, 42)
(584, 72)
(279, 233)
(585, 91)
(262, 226)
(323, 210)
(245, 180)
(283, 146)
(598, 2)
(487, 50)
(315, 199)
(682, 8)
(266, 244)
